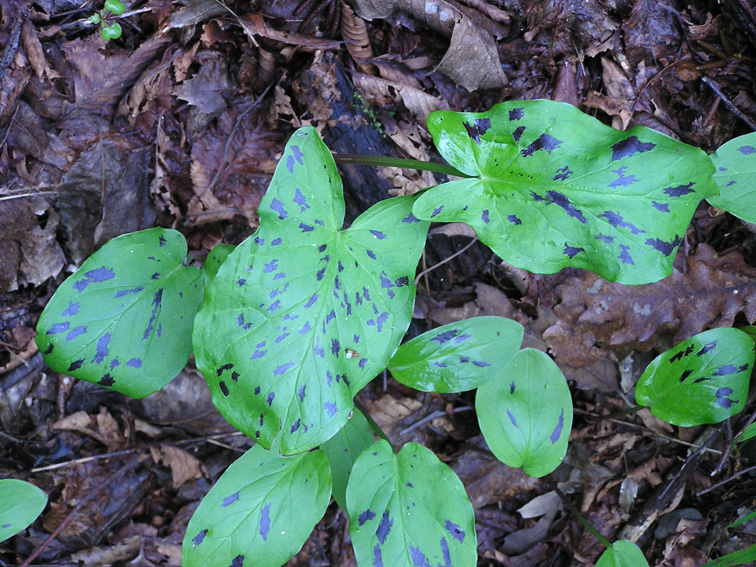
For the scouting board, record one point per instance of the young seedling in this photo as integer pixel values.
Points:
(290, 325)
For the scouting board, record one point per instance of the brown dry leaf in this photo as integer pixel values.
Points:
(231, 166)
(207, 91)
(472, 59)
(354, 32)
(29, 134)
(255, 25)
(110, 554)
(34, 52)
(104, 428)
(29, 250)
(417, 101)
(183, 466)
(597, 317)
(101, 79)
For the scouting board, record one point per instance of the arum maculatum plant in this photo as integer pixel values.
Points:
(290, 325)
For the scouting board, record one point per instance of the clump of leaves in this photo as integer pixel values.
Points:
(288, 327)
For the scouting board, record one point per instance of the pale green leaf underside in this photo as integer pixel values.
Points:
(525, 415)
(555, 188)
(20, 504)
(260, 512)
(701, 380)
(409, 510)
(124, 319)
(303, 314)
(735, 164)
(623, 553)
(459, 356)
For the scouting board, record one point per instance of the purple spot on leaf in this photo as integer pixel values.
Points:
(563, 173)
(561, 200)
(279, 370)
(223, 387)
(101, 350)
(265, 522)
(517, 134)
(122, 292)
(624, 256)
(330, 407)
(512, 418)
(106, 381)
(485, 216)
(512, 388)
(76, 332)
(306, 227)
(664, 247)
(456, 531)
(543, 142)
(258, 354)
(572, 251)
(558, 429)
(410, 219)
(300, 200)
(684, 375)
(155, 307)
(663, 207)
(75, 365)
(276, 242)
(445, 337)
(514, 220)
(377, 556)
(605, 238)
(379, 235)
(371, 254)
(629, 147)
(479, 127)
(679, 190)
(418, 557)
(362, 363)
(437, 211)
(516, 114)
(134, 363)
(278, 207)
(72, 309)
(725, 370)
(616, 220)
(747, 150)
(295, 427)
(384, 528)
(335, 347)
(199, 538)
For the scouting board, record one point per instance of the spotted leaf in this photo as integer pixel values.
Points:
(622, 553)
(409, 510)
(552, 188)
(304, 313)
(124, 319)
(525, 415)
(701, 380)
(217, 256)
(343, 449)
(735, 164)
(260, 512)
(20, 504)
(459, 356)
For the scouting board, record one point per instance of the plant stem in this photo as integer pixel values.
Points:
(354, 159)
(574, 511)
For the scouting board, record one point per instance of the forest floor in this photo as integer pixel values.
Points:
(180, 122)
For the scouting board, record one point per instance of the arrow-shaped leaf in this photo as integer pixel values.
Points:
(459, 356)
(260, 512)
(701, 380)
(124, 319)
(304, 313)
(736, 169)
(526, 414)
(409, 510)
(555, 188)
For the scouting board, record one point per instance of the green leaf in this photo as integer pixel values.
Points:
(262, 510)
(409, 510)
(115, 6)
(20, 504)
(124, 319)
(343, 449)
(623, 553)
(701, 380)
(459, 356)
(303, 314)
(526, 414)
(742, 557)
(735, 164)
(217, 256)
(112, 31)
(748, 434)
(555, 188)
(744, 520)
